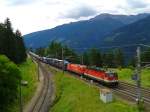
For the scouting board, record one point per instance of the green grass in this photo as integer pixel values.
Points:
(125, 75)
(74, 95)
(29, 73)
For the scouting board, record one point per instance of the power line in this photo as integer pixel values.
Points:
(144, 45)
(109, 47)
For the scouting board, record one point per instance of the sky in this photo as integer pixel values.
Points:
(35, 15)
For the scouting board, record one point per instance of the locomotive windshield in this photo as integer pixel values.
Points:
(111, 74)
(96, 68)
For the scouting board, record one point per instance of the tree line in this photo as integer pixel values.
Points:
(56, 50)
(92, 57)
(112, 58)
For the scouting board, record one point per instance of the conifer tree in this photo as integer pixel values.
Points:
(20, 48)
(95, 57)
(85, 57)
(108, 59)
(11, 44)
(118, 58)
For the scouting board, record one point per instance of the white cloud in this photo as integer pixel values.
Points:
(137, 3)
(79, 11)
(19, 2)
(34, 15)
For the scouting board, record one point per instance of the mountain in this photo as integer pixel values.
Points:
(88, 33)
(135, 33)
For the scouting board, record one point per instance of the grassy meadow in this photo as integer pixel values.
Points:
(125, 75)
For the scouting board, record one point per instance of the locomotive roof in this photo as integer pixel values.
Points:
(110, 72)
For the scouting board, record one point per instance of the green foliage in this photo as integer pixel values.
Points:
(20, 48)
(11, 43)
(113, 58)
(95, 57)
(71, 55)
(118, 58)
(40, 51)
(55, 50)
(132, 62)
(141, 106)
(146, 55)
(108, 59)
(9, 81)
(85, 58)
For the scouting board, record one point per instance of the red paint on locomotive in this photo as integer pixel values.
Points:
(76, 68)
(99, 75)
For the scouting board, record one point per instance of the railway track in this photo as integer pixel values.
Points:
(131, 91)
(42, 103)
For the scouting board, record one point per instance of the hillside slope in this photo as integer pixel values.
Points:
(135, 33)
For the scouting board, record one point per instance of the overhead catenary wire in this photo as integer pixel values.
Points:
(107, 47)
(110, 47)
(144, 45)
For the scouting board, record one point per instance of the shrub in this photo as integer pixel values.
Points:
(9, 81)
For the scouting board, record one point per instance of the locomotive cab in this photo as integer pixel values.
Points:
(111, 78)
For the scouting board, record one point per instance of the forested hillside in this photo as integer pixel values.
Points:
(135, 33)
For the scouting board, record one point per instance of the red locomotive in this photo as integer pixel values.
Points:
(102, 76)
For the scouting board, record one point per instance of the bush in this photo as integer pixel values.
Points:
(120, 67)
(131, 67)
(141, 106)
(9, 81)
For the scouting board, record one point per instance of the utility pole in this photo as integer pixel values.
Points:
(38, 70)
(139, 96)
(20, 96)
(82, 60)
(62, 59)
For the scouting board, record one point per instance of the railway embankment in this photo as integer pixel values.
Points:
(28, 71)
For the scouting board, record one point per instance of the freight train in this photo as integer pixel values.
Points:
(101, 76)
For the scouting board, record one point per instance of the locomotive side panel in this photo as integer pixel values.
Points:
(76, 68)
(98, 75)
